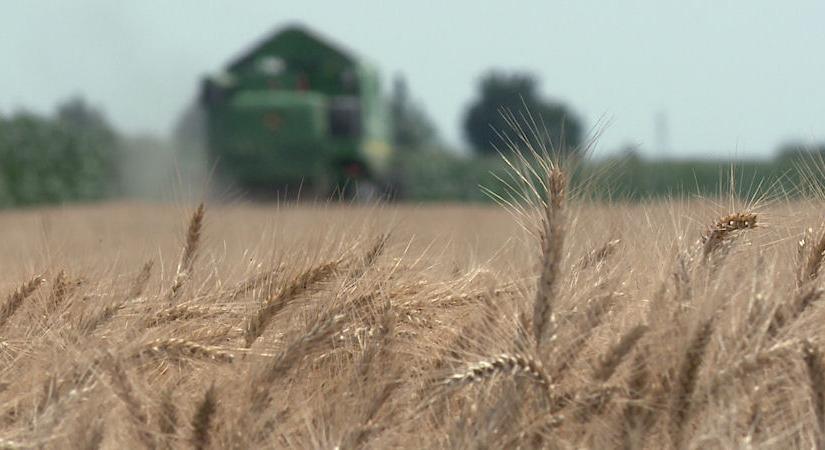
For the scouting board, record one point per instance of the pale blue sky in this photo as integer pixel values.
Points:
(732, 77)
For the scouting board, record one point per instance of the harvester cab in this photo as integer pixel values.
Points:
(296, 111)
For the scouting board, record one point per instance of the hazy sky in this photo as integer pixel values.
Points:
(730, 78)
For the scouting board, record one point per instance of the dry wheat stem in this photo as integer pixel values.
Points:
(141, 280)
(753, 425)
(193, 234)
(376, 250)
(686, 379)
(89, 323)
(94, 435)
(594, 315)
(254, 282)
(184, 311)
(168, 417)
(816, 377)
(122, 387)
(16, 299)
(814, 260)
(616, 354)
(786, 315)
(377, 346)
(190, 251)
(474, 297)
(257, 324)
(375, 352)
(724, 228)
(358, 437)
(202, 421)
(289, 356)
(582, 396)
(802, 247)
(539, 424)
(746, 365)
(61, 289)
(637, 419)
(552, 247)
(597, 256)
(594, 401)
(176, 348)
(513, 364)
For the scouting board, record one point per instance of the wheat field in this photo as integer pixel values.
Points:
(549, 323)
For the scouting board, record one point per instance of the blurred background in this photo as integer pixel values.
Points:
(260, 100)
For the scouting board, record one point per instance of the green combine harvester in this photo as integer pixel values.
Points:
(296, 113)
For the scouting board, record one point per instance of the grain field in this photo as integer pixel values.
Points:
(549, 323)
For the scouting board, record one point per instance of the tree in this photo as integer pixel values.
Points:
(799, 149)
(90, 150)
(411, 128)
(70, 156)
(517, 94)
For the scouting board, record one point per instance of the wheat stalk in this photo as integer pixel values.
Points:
(615, 355)
(816, 377)
(785, 315)
(176, 348)
(552, 247)
(377, 346)
(375, 250)
(505, 363)
(92, 434)
(256, 325)
(594, 315)
(596, 256)
(593, 401)
(754, 421)
(286, 358)
(724, 228)
(254, 282)
(190, 252)
(361, 433)
(636, 419)
(61, 288)
(686, 379)
(745, 365)
(15, 300)
(168, 417)
(202, 421)
(122, 387)
(183, 311)
(814, 260)
(141, 280)
(88, 324)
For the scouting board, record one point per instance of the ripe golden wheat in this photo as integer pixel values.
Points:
(570, 325)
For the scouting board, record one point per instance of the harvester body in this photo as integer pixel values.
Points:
(297, 111)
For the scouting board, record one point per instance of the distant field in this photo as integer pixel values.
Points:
(654, 325)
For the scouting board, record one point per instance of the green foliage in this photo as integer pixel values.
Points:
(637, 179)
(433, 175)
(438, 176)
(502, 94)
(411, 128)
(71, 156)
(799, 151)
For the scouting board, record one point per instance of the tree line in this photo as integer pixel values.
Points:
(70, 155)
(75, 154)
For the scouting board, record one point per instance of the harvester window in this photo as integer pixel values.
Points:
(271, 65)
(345, 117)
